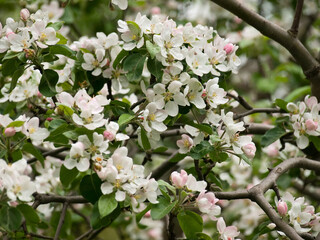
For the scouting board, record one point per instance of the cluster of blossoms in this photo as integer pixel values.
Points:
(300, 215)
(26, 125)
(16, 181)
(228, 137)
(89, 110)
(126, 179)
(304, 118)
(206, 201)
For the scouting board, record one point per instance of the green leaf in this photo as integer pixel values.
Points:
(202, 236)
(145, 140)
(167, 185)
(140, 215)
(97, 222)
(17, 74)
(155, 68)
(134, 28)
(160, 149)
(153, 49)
(316, 141)
(298, 93)
(125, 119)
(55, 25)
(67, 176)
(162, 208)
(10, 55)
(177, 157)
(63, 50)
(281, 104)
(67, 111)
(202, 127)
(190, 223)
(246, 159)
(90, 187)
(119, 57)
(272, 135)
(29, 213)
(63, 40)
(134, 65)
(48, 83)
(29, 148)
(15, 124)
(10, 218)
(106, 204)
(201, 150)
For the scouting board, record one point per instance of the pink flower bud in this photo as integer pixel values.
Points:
(249, 150)
(9, 132)
(13, 203)
(24, 14)
(179, 180)
(49, 119)
(108, 135)
(148, 214)
(282, 208)
(228, 48)
(311, 125)
(204, 93)
(155, 10)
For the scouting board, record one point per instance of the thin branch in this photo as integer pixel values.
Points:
(164, 167)
(256, 193)
(109, 84)
(137, 103)
(83, 236)
(61, 220)
(76, 211)
(257, 128)
(299, 52)
(241, 100)
(39, 236)
(257, 110)
(313, 193)
(296, 20)
(49, 198)
(49, 153)
(274, 217)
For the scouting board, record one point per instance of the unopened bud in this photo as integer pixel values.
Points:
(29, 53)
(49, 119)
(249, 150)
(155, 10)
(108, 135)
(311, 125)
(228, 48)
(24, 14)
(271, 226)
(148, 214)
(282, 208)
(9, 132)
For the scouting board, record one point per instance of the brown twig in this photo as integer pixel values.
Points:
(241, 100)
(256, 193)
(49, 153)
(257, 110)
(296, 20)
(61, 220)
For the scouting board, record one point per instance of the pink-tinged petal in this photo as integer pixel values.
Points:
(221, 225)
